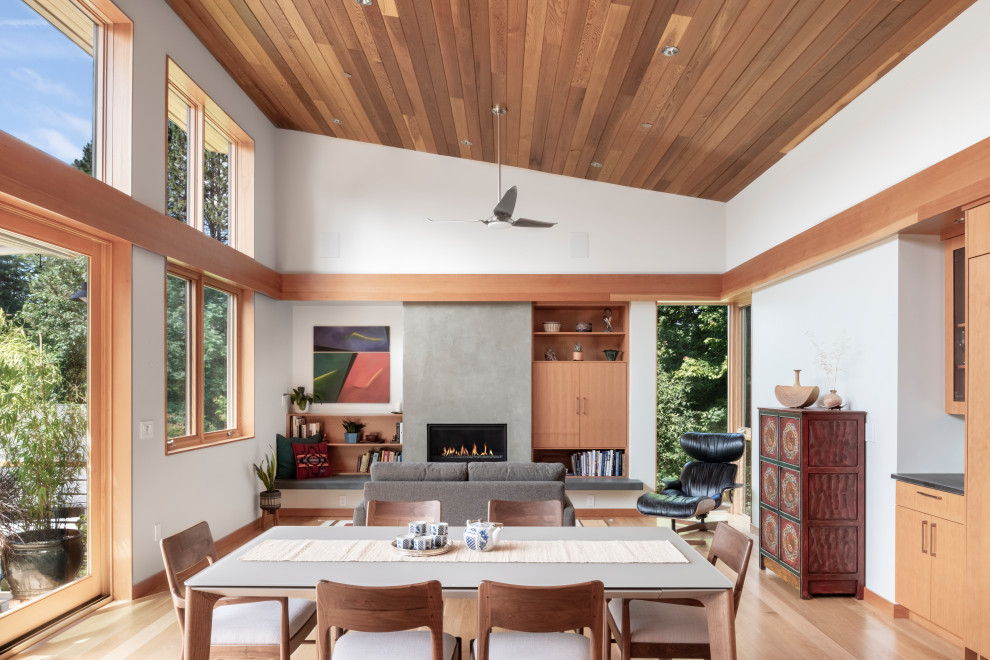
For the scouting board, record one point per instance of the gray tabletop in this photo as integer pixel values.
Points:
(232, 576)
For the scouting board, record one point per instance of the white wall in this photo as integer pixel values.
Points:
(930, 106)
(307, 315)
(642, 395)
(159, 32)
(372, 202)
(929, 440)
(857, 296)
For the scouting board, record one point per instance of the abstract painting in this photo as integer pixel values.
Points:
(351, 363)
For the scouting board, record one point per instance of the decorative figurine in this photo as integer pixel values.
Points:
(550, 356)
(607, 317)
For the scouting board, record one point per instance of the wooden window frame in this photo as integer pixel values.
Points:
(240, 228)
(242, 361)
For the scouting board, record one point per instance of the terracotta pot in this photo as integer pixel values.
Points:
(832, 400)
(578, 356)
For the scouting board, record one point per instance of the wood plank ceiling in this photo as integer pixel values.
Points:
(584, 81)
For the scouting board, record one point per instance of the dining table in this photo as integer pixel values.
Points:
(631, 562)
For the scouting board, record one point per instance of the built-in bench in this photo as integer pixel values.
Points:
(357, 482)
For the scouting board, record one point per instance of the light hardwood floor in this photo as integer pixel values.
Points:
(773, 622)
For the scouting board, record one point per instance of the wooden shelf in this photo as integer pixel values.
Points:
(344, 455)
(582, 334)
(397, 445)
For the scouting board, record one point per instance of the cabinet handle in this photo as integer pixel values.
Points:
(584, 405)
(577, 405)
(932, 540)
(924, 524)
(934, 497)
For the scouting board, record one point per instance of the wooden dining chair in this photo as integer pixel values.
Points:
(536, 616)
(243, 627)
(677, 628)
(527, 513)
(386, 513)
(378, 622)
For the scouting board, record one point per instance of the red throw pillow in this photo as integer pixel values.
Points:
(311, 461)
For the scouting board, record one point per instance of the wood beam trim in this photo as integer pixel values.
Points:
(504, 288)
(77, 199)
(950, 183)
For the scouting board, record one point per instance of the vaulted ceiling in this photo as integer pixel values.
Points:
(584, 81)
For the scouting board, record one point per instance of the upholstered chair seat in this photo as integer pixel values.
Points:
(355, 645)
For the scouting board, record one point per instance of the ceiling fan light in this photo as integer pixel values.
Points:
(499, 224)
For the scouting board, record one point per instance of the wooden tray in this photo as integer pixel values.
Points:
(432, 552)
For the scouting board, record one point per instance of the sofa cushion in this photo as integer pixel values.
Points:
(419, 472)
(285, 462)
(516, 471)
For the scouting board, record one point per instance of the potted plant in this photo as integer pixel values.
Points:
(578, 352)
(44, 443)
(270, 499)
(352, 429)
(302, 400)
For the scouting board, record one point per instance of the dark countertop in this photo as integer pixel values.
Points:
(949, 482)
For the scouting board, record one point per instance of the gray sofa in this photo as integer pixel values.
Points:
(465, 488)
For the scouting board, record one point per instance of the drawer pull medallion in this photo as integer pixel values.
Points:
(934, 497)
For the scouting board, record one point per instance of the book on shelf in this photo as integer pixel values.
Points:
(369, 458)
(598, 463)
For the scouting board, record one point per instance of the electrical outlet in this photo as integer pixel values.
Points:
(590, 500)
(342, 500)
(147, 430)
(158, 532)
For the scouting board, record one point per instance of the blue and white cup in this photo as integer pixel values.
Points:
(440, 540)
(438, 528)
(423, 543)
(404, 541)
(418, 527)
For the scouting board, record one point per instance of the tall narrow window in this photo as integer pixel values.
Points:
(205, 386)
(209, 165)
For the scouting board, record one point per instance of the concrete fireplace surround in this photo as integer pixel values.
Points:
(467, 363)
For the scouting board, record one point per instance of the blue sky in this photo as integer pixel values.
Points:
(46, 84)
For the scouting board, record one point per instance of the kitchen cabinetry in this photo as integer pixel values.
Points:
(931, 555)
(813, 499)
(977, 602)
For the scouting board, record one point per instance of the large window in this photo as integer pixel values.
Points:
(204, 339)
(66, 82)
(209, 162)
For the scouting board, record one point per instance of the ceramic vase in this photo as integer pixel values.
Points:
(578, 356)
(796, 395)
(832, 400)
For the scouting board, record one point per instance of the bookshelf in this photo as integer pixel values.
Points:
(344, 457)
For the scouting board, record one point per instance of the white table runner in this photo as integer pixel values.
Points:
(557, 552)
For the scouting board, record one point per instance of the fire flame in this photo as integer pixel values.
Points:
(464, 451)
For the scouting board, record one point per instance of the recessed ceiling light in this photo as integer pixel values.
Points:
(646, 124)
(347, 75)
(596, 164)
(467, 142)
(670, 51)
(337, 121)
(363, 3)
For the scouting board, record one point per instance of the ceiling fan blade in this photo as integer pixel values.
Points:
(432, 220)
(538, 224)
(505, 205)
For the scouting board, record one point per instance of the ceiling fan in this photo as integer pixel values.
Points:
(501, 217)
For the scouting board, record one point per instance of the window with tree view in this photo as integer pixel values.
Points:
(208, 162)
(202, 319)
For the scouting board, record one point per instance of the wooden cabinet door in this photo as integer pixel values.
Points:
(556, 405)
(913, 569)
(603, 405)
(947, 549)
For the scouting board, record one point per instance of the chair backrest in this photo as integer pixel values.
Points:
(712, 469)
(541, 609)
(378, 609)
(527, 513)
(186, 554)
(386, 513)
(733, 548)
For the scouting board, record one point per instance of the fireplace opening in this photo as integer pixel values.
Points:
(466, 442)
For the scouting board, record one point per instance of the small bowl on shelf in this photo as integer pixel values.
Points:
(583, 327)
(551, 326)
